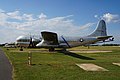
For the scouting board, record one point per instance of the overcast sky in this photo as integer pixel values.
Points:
(66, 17)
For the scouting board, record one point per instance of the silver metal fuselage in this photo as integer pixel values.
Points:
(77, 41)
(69, 42)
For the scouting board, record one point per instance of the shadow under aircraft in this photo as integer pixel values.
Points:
(75, 55)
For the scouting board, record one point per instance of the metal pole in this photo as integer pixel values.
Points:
(29, 58)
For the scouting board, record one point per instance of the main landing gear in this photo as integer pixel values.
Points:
(51, 49)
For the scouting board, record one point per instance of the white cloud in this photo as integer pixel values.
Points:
(26, 23)
(108, 17)
(14, 15)
(86, 26)
(1, 10)
(3, 17)
(28, 17)
(42, 16)
(96, 16)
(111, 17)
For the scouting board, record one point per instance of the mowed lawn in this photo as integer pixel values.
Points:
(62, 66)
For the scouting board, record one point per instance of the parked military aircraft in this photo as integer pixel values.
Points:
(51, 40)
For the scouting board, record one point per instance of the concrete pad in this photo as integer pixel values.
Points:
(118, 64)
(91, 67)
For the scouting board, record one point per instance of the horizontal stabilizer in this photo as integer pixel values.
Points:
(104, 37)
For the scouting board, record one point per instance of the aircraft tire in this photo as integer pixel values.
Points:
(51, 49)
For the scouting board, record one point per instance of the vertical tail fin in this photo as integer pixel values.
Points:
(100, 30)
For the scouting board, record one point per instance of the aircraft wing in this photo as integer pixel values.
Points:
(50, 38)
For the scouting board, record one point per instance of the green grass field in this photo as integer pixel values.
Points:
(61, 66)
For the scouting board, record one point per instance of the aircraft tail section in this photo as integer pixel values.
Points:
(100, 30)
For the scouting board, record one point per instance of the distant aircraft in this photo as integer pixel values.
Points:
(51, 40)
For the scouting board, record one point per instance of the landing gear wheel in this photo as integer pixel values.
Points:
(21, 49)
(64, 49)
(51, 49)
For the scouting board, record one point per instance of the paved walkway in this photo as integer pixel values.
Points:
(5, 67)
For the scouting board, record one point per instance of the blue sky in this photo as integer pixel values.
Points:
(66, 17)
